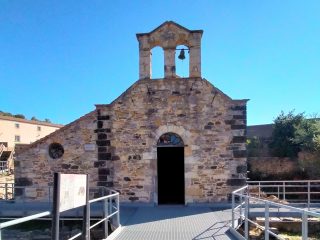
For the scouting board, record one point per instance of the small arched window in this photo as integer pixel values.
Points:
(170, 139)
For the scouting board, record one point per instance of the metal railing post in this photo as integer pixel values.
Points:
(118, 211)
(259, 189)
(309, 195)
(24, 194)
(232, 210)
(246, 215)
(284, 190)
(105, 215)
(110, 211)
(6, 191)
(304, 226)
(240, 209)
(266, 222)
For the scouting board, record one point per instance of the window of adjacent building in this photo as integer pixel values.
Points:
(39, 128)
(17, 138)
(17, 125)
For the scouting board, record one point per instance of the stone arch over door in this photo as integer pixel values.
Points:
(151, 156)
(181, 131)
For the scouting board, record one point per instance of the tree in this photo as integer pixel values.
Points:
(294, 133)
(47, 120)
(283, 133)
(6, 114)
(19, 116)
(307, 135)
(34, 119)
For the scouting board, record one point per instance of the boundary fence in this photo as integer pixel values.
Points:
(256, 193)
(111, 215)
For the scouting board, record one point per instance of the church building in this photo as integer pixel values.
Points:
(163, 141)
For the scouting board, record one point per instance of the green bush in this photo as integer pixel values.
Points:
(307, 135)
(19, 116)
(282, 144)
(293, 133)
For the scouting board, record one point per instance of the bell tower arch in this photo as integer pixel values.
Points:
(168, 36)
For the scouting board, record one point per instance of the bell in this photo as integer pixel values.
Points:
(181, 55)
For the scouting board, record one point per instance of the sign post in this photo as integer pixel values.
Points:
(70, 191)
(55, 210)
(86, 216)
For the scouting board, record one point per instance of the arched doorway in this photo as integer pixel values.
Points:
(170, 169)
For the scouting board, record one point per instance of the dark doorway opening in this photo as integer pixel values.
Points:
(170, 175)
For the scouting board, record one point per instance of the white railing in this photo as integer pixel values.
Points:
(111, 214)
(242, 202)
(11, 192)
(302, 191)
(3, 165)
(2, 147)
(22, 220)
(6, 191)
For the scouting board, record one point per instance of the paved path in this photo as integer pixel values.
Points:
(174, 223)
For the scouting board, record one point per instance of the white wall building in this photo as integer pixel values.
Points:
(18, 131)
(21, 131)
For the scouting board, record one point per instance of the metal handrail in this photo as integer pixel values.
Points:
(244, 202)
(307, 187)
(11, 195)
(109, 211)
(3, 165)
(1, 148)
(10, 192)
(274, 181)
(23, 219)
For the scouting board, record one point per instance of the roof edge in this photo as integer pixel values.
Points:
(14, 119)
(56, 132)
(169, 22)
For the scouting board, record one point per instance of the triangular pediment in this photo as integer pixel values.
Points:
(170, 26)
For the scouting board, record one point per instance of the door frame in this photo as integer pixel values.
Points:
(184, 173)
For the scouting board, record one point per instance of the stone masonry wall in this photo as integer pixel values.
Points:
(35, 168)
(211, 125)
(125, 134)
(273, 165)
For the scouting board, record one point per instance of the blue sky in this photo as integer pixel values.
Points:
(59, 58)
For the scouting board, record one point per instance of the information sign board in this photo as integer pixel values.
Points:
(73, 191)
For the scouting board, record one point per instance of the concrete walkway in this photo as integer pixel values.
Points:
(174, 223)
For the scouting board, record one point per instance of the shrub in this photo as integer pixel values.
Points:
(283, 133)
(294, 133)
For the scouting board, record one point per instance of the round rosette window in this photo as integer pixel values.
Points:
(56, 150)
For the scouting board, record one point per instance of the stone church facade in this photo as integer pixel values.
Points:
(163, 141)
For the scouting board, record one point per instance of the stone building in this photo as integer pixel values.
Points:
(164, 141)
